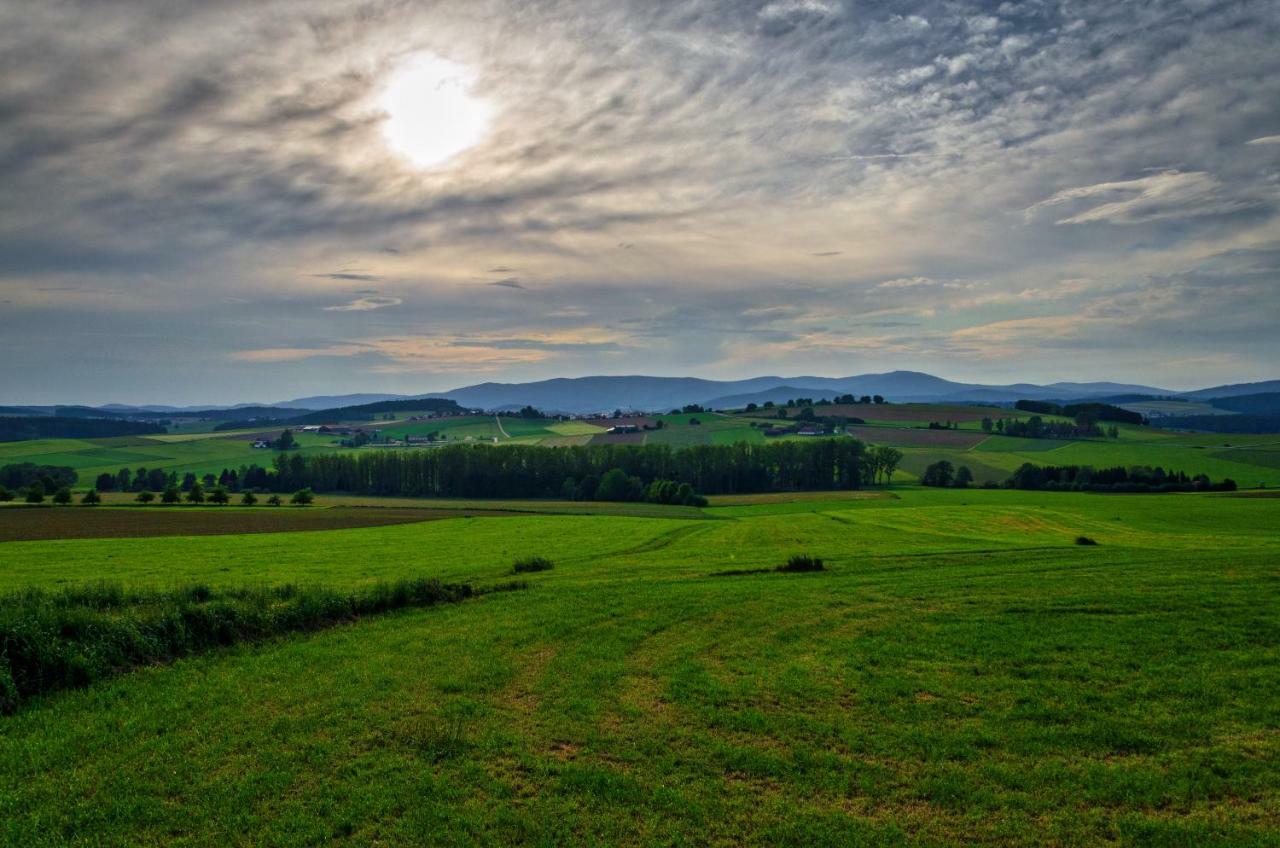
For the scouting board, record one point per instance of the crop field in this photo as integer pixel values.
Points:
(201, 453)
(1264, 457)
(1159, 408)
(22, 523)
(904, 437)
(961, 672)
(905, 413)
(618, 439)
(678, 431)
(916, 460)
(574, 428)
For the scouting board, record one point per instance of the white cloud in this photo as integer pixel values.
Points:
(791, 9)
(293, 354)
(365, 304)
(1166, 195)
(907, 283)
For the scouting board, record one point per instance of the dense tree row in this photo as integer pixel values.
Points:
(20, 475)
(518, 471)
(1083, 412)
(1036, 427)
(1080, 478)
(370, 411)
(1244, 423)
(1137, 478)
(617, 485)
(17, 429)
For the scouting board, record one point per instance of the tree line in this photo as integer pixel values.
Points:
(1080, 478)
(22, 428)
(1136, 478)
(1036, 427)
(1083, 412)
(530, 471)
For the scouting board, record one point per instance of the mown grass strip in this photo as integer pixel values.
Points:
(51, 641)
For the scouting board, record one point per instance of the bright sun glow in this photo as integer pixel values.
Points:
(431, 113)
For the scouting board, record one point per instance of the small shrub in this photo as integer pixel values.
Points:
(537, 563)
(1085, 540)
(248, 499)
(802, 562)
(91, 498)
(442, 740)
(274, 500)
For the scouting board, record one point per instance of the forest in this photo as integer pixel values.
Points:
(523, 471)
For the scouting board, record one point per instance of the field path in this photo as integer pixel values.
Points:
(498, 420)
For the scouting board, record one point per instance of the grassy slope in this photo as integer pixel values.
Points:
(962, 673)
(201, 454)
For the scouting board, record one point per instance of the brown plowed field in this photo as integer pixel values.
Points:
(22, 524)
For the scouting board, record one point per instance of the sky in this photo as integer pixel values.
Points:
(220, 202)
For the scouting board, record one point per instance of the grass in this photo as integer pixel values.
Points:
(965, 670)
(961, 672)
(70, 639)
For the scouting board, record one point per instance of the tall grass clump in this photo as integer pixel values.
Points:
(802, 562)
(73, 637)
(528, 564)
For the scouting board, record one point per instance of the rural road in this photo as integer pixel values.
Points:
(498, 420)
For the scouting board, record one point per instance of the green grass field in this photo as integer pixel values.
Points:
(1250, 460)
(963, 673)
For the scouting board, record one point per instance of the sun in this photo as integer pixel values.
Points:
(432, 115)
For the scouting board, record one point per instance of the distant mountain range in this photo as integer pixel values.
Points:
(597, 394)
(1234, 390)
(582, 395)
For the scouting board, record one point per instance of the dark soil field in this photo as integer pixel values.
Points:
(631, 420)
(23, 524)
(916, 412)
(618, 439)
(903, 412)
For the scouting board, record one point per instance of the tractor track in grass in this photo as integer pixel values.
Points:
(662, 540)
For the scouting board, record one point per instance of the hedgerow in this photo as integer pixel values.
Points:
(70, 638)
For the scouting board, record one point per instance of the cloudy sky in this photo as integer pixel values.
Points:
(251, 201)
